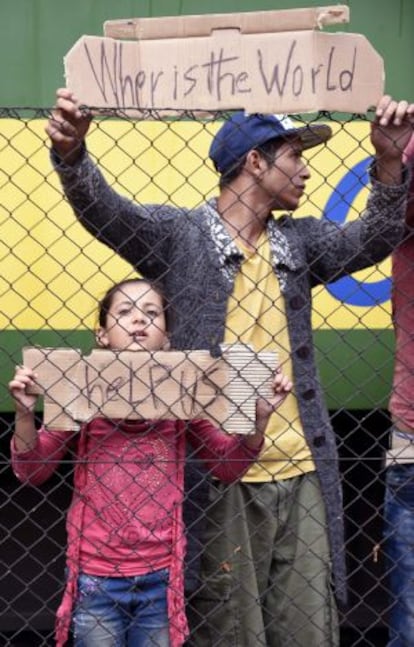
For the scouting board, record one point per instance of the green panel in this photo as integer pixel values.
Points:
(36, 34)
(12, 342)
(389, 27)
(229, 6)
(356, 366)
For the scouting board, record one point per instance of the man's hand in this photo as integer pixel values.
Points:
(390, 133)
(67, 126)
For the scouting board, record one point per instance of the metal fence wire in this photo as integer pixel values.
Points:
(53, 273)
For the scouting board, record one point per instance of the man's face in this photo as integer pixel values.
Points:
(284, 179)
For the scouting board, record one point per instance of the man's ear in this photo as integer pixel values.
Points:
(101, 338)
(255, 162)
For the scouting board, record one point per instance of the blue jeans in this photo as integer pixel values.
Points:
(399, 536)
(122, 611)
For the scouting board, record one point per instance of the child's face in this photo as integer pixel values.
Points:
(135, 320)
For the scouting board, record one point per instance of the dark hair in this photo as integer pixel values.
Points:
(267, 150)
(106, 301)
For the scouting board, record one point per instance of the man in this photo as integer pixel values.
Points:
(399, 499)
(232, 271)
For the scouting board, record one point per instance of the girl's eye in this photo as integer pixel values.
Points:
(152, 314)
(123, 312)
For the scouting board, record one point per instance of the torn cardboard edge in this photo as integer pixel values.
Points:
(287, 72)
(246, 22)
(130, 385)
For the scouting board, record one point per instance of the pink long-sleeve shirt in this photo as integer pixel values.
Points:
(125, 518)
(401, 402)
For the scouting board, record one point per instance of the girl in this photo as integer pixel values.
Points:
(125, 531)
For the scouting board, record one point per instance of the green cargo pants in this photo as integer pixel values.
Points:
(265, 569)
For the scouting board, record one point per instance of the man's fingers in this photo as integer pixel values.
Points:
(400, 113)
(383, 105)
(62, 126)
(65, 93)
(392, 112)
(72, 111)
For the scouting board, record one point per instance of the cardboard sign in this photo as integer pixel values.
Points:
(236, 65)
(246, 22)
(143, 385)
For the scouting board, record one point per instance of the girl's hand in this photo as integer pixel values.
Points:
(282, 386)
(23, 377)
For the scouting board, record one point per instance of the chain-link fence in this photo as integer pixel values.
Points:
(53, 273)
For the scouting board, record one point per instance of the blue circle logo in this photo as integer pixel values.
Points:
(350, 290)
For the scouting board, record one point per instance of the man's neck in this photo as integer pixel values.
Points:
(244, 222)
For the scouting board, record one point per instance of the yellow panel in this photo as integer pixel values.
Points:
(52, 271)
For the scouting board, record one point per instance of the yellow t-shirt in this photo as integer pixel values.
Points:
(256, 316)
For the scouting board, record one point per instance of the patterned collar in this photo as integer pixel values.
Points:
(230, 256)
(225, 245)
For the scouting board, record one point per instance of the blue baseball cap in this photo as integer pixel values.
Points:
(243, 132)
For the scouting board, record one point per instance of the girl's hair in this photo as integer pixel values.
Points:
(106, 301)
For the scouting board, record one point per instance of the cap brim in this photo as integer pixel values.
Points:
(314, 135)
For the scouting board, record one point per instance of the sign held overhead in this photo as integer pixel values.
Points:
(239, 65)
(246, 22)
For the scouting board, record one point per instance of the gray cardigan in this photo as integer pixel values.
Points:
(191, 253)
